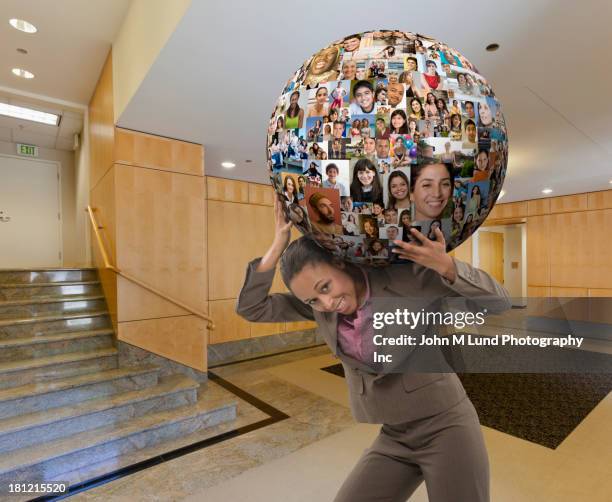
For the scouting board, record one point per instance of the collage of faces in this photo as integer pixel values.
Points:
(381, 132)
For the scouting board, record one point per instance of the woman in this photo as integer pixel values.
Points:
(349, 70)
(400, 154)
(301, 186)
(442, 109)
(349, 224)
(323, 67)
(431, 78)
(366, 186)
(413, 129)
(290, 189)
(356, 128)
(482, 170)
(485, 116)
(376, 249)
(416, 109)
(430, 108)
(370, 227)
(455, 131)
(431, 186)
(380, 96)
(398, 188)
(457, 222)
(474, 201)
(399, 121)
(435, 224)
(320, 107)
(405, 222)
(295, 115)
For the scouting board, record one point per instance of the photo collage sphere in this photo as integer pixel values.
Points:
(381, 132)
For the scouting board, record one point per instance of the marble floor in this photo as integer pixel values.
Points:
(305, 457)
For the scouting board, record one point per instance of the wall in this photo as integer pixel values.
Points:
(145, 30)
(72, 245)
(81, 182)
(513, 252)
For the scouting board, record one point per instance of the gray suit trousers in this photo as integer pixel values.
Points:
(446, 450)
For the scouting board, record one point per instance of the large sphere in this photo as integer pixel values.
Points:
(382, 131)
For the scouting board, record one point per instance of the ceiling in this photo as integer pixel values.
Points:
(216, 80)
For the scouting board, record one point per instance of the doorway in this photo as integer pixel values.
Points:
(30, 213)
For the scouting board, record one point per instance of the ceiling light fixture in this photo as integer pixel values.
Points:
(547, 190)
(21, 25)
(228, 165)
(492, 47)
(22, 51)
(21, 73)
(20, 112)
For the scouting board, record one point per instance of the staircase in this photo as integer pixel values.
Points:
(64, 402)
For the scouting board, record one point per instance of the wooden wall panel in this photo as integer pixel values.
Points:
(266, 328)
(227, 190)
(538, 251)
(261, 194)
(145, 150)
(568, 292)
(600, 293)
(229, 326)
(101, 125)
(464, 251)
(491, 254)
(538, 206)
(182, 339)
(600, 200)
(508, 210)
(161, 235)
(538, 291)
(569, 203)
(300, 326)
(137, 303)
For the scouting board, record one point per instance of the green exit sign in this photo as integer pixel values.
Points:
(27, 150)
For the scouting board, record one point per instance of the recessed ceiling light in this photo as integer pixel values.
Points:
(248, 161)
(22, 51)
(610, 181)
(20, 72)
(492, 47)
(21, 25)
(20, 112)
(501, 194)
(228, 165)
(547, 190)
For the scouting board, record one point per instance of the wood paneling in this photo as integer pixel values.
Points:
(600, 200)
(300, 326)
(580, 249)
(227, 190)
(538, 206)
(568, 292)
(491, 254)
(261, 194)
(538, 291)
(538, 251)
(228, 325)
(161, 237)
(508, 210)
(464, 251)
(101, 125)
(146, 150)
(182, 339)
(266, 328)
(569, 203)
(600, 293)
(138, 303)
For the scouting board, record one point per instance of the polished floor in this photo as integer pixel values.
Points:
(306, 457)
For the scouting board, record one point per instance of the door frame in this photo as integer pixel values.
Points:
(60, 221)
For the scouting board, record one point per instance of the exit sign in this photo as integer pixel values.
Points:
(27, 150)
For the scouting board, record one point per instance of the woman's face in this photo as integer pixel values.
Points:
(431, 192)
(405, 219)
(471, 133)
(431, 99)
(398, 188)
(368, 227)
(301, 182)
(397, 121)
(290, 186)
(410, 65)
(458, 214)
(366, 177)
(321, 96)
(323, 61)
(351, 44)
(412, 124)
(382, 96)
(399, 149)
(484, 112)
(461, 79)
(348, 204)
(456, 121)
(377, 246)
(294, 99)
(349, 70)
(416, 106)
(482, 161)
(476, 190)
(431, 69)
(326, 288)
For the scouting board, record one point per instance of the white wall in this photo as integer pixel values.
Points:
(82, 225)
(74, 244)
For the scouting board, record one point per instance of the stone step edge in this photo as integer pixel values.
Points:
(50, 299)
(73, 382)
(9, 285)
(108, 434)
(59, 337)
(45, 269)
(41, 362)
(53, 317)
(170, 385)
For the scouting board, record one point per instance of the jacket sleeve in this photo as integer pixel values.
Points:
(255, 303)
(478, 286)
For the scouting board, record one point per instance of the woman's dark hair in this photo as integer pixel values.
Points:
(474, 188)
(356, 191)
(452, 120)
(439, 222)
(405, 211)
(396, 174)
(422, 114)
(293, 112)
(404, 128)
(422, 163)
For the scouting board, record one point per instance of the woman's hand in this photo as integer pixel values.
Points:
(430, 254)
(282, 235)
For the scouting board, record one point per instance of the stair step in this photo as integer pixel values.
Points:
(56, 306)
(49, 460)
(64, 391)
(50, 317)
(50, 299)
(26, 371)
(6, 285)
(30, 276)
(48, 345)
(22, 431)
(55, 324)
(33, 292)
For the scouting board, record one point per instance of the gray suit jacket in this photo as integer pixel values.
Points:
(388, 398)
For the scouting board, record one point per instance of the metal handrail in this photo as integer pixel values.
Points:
(108, 265)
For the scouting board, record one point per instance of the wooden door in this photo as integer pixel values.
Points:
(491, 253)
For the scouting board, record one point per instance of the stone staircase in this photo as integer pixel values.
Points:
(64, 402)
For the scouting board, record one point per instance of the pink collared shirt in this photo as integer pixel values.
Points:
(355, 331)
